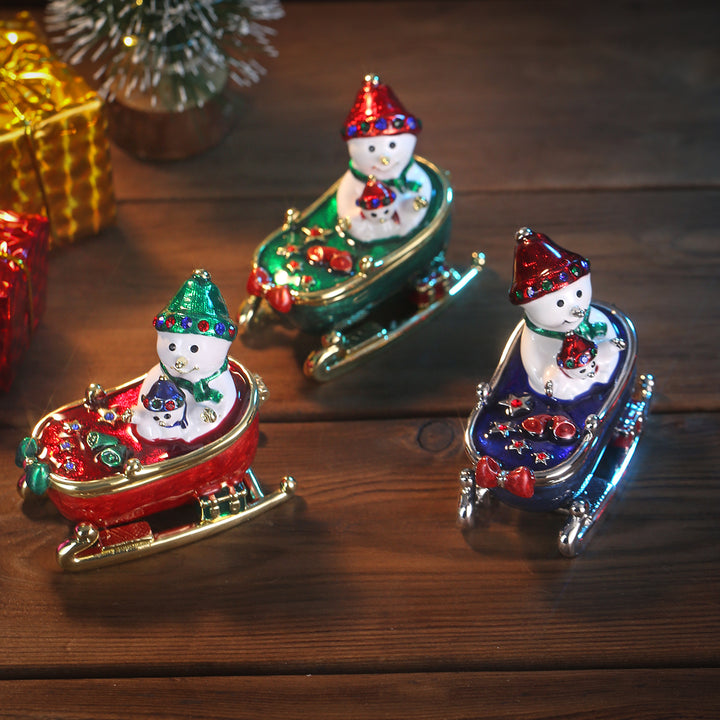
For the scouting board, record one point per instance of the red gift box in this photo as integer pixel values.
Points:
(23, 285)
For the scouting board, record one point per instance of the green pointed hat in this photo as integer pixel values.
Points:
(198, 308)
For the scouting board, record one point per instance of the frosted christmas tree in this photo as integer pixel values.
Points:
(165, 56)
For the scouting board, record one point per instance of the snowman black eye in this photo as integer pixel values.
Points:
(371, 148)
(374, 214)
(583, 370)
(579, 293)
(392, 145)
(155, 418)
(193, 348)
(560, 303)
(171, 347)
(167, 416)
(387, 211)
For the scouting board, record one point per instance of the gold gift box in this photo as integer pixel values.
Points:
(54, 151)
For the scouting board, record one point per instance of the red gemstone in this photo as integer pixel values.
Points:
(515, 402)
(170, 321)
(203, 326)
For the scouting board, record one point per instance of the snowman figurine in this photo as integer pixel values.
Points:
(379, 217)
(553, 286)
(577, 356)
(194, 333)
(381, 137)
(167, 404)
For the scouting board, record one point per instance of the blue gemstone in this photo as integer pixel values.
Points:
(381, 124)
(219, 328)
(185, 323)
(109, 415)
(411, 123)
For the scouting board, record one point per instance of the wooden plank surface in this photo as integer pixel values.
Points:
(597, 124)
(366, 571)
(605, 695)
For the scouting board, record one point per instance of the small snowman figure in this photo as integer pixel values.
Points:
(577, 356)
(194, 333)
(379, 217)
(553, 286)
(381, 137)
(167, 404)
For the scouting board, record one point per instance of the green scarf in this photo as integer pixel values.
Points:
(200, 390)
(401, 183)
(585, 329)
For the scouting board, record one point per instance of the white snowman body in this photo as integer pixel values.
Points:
(562, 311)
(383, 157)
(189, 357)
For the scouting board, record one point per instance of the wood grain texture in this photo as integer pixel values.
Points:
(594, 123)
(513, 96)
(604, 695)
(366, 571)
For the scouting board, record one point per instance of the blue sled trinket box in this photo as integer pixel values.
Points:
(557, 424)
(365, 262)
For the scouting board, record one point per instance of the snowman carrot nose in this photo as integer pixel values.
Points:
(180, 363)
(385, 160)
(577, 312)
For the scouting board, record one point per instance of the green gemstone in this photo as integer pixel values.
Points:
(27, 450)
(37, 477)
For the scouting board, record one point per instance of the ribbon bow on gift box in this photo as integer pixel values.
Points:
(520, 481)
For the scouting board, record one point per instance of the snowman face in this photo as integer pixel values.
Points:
(169, 418)
(384, 156)
(193, 357)
(381, 214)
(585, 372)
(562, 310)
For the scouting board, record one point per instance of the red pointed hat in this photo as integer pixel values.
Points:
(377, 111)
(576, 351)
(541, 267)
(375, 194)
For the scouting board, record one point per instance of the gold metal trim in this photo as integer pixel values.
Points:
(339, 355)
(133, 478)
(69, 553)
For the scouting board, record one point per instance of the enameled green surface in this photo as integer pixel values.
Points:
(284, 253)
